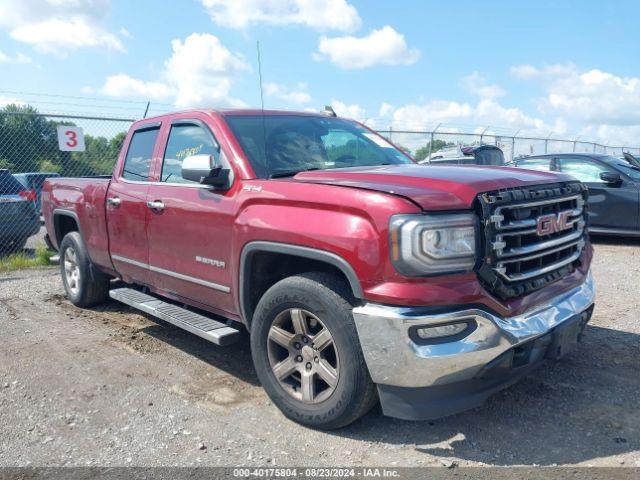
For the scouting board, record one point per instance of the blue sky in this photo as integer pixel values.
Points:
(568, 67)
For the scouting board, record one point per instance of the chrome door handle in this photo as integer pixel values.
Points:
(157, 205)
(115, 201)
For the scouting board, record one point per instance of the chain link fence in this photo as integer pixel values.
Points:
(32, 149)
(423, 144)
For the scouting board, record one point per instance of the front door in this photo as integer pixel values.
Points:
(610, 206)
(191, 225)
(126, 209)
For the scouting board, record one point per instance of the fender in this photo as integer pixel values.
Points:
(61, 212)
(295, 250)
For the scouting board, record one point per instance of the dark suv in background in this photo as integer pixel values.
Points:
(18, 217)
(613, 183)
(35, 181)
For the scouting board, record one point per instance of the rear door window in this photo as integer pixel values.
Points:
(137, 163)
(583, 169)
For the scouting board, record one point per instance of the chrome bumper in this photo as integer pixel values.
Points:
(393, 358)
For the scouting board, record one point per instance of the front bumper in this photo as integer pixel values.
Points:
(419, 380)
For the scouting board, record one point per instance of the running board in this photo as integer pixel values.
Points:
(205, 327)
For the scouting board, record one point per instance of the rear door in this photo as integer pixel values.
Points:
(190, 225)
(610, 206)
(126, 207)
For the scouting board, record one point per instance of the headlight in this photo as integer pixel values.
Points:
(433, 244)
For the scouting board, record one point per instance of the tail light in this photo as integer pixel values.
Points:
(30, 195)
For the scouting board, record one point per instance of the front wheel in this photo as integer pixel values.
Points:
(84, 288)
(306, 352)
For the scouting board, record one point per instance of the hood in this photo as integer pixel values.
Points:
(433, 187)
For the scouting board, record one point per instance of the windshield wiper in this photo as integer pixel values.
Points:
(291, 173)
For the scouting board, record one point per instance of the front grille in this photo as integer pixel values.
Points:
(532, 236)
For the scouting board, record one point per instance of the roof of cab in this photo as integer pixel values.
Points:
(235, 112)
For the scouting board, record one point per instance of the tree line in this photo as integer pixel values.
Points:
(29, 143)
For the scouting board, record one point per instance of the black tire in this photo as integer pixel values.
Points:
(91, 287)
(327, 297)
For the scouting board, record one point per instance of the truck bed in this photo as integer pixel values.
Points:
(83, 198)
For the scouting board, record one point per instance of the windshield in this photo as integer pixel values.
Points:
(282, 145)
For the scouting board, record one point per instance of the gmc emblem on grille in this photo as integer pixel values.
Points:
(552, 223)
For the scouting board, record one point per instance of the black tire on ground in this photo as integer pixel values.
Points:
(327, 297)
(89, 287)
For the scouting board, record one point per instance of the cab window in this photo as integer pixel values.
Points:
(137, 163)
(185, 140)
(582, 169)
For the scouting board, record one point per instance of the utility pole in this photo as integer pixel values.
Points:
(546, 142)
(513, 145)
(433, 132)
(482, 134)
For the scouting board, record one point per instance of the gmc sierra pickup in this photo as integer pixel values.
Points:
(359, 275)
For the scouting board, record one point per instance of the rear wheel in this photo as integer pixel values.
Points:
(306, 352)
(83, 286)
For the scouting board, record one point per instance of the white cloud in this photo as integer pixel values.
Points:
(353, 111)
(477, 84)
(200, 71)
(17, 58)
(486, 112)
(297, 96)
(58, 26)
(385, 109)
(527, 72)
(595, 97)
(55, 35)
(380, 47)
(122, 85)
(599, 105)
(317, 14)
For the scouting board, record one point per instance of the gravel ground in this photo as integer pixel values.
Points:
(111, 387)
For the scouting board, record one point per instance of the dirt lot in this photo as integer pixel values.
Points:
(111, 387)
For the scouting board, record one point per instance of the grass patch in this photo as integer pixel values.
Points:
(22, 260)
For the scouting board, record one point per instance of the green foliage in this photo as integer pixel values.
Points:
(423, 152)
(21, 260)
(4, 163)
(29, 143)
(48, 166)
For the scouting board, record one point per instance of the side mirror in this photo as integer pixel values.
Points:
(611, 178)
(200, 168)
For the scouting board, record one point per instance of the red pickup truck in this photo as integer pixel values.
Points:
(360, 275)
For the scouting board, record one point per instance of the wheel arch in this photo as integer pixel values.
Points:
(251, 290)
(64, 221)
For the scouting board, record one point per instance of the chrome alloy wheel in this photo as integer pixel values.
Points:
(303, 356)
(72, 270)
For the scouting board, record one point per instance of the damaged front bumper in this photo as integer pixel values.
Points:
(429, 378)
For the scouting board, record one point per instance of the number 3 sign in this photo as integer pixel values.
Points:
(70, 139)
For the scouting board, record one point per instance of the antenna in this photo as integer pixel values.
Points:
(264, 127)
(260, 76)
